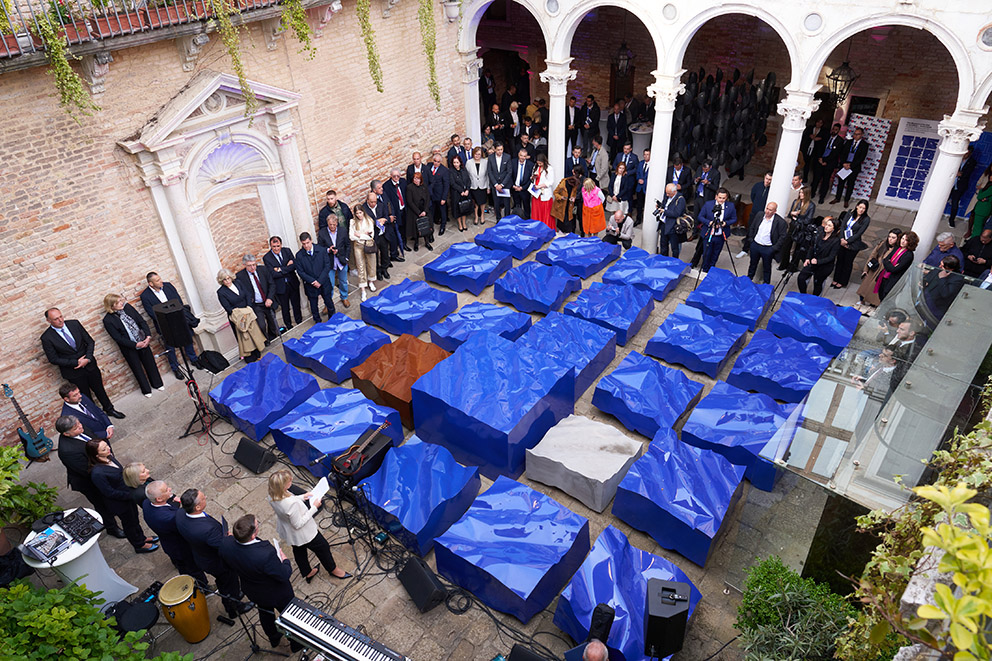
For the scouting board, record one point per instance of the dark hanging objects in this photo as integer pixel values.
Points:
(719, 74)
(737, 75)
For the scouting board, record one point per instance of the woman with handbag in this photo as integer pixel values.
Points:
(128, 329)
(418, 212)
(621, 190)
(543, 181)
(244, 323)
(593, 216)
(867, 298)
(362, 235)
(852, 225)
(108, 478)
(458, 199)
(478, 180)
(896, 264)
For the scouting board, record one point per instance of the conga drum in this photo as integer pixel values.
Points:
(185, 607)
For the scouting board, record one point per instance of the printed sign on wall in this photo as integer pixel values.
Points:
(876, 132)
(912, 156)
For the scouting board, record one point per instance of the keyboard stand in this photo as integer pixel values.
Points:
(252, 636)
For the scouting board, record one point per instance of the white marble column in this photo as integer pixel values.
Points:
(955, 134)
(473, 110)
(557, 77)
(284, 135)
(795, 110)
(665, 91)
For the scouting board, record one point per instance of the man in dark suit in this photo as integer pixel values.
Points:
(72, 454)
(416, 166)
(509, 96)
(159, 509)
(672, 208)
(378, 210)
(314, 268)
(67, 344)
(456, 149)
(576, 161)
(642, 183)
(336, 207)
(394, 219)
(571, 127)
(264, 572)
(589, 121)
(523, 168)
(438, 185)
(825, 161)
(627, 157)
(204, 535)
(395, 191)
(96, 424)
(616, 130)
(499, 170)
(283, 268)
(852, 158)
(706, 184)
(680, 175)
(811, 145)
(962, 182)
(338, 246)
(759, 197)
(716, 217)
(157, 292)
(495, 121)
(765, 234)
(525, 143)
(261, 288)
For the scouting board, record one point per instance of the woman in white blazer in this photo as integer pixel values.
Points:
(478, 179)
(295, 525)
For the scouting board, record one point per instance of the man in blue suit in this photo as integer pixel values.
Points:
(626, 157)
(157, 292)
(642, 183)
(96, 423)
(616, 129)
(499, 171)
(314, 267)
(204, 534)
(159, 509)
(438, 184)
(715, 218)
(522, 170)
(282, 266)
(264, 572)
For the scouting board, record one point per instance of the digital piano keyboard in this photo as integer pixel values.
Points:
(312, 627)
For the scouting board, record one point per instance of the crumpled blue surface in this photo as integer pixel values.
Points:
(586, 346)
(408, 307)
(700, 341)
(645, 395)
(678, 494)
(474, 317)
(783, 368)
(744, 427)
(621, 309)
(617, 574)
(735, 299)
(330, 349)
(815, 319)
(514, 548)
(654, 273)
(492, 400)
(331, 422)
(580, 256)
(533, 287)
(467, 266)
(260, 393)
(516, 236)
(419, 491)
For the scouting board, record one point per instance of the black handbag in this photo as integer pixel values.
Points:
(369, 248)
(425, 226)
(464, 207)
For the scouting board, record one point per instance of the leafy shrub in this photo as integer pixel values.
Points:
(21, 504)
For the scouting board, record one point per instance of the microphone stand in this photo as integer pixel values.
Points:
(204, 416)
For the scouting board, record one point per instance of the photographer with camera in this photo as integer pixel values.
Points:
(715, 217)
(802, 232)
(820, 258)
(668, 212)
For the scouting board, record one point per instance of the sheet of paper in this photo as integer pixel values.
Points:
(534, 191)
(320, 490)
(503, 193)
(843, 173)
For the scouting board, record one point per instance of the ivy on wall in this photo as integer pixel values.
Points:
(364, 10)
(428, 33)
(231, 38)
(294, 19)
(73, 96)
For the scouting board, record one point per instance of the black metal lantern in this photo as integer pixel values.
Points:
(842, 79)
(623, 59)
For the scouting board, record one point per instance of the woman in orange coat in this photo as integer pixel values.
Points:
(593, 216)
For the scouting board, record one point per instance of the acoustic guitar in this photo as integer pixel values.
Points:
(36, 444)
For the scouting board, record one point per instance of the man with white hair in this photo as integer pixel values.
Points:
(595, 651)
(261, 287)
(159, 509)
(945, 246)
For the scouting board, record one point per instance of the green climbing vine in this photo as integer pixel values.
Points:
(73, 96)
(230, 37)
(428, 33)
(294, 17)
(364, 10)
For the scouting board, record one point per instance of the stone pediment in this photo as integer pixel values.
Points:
(209, 101)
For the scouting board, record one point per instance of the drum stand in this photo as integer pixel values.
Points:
(252, 636)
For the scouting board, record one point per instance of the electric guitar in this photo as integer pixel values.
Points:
(348, 462)
(36, 444)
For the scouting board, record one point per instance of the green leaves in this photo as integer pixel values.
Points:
(20, 504)
(428, 33)
(364, 10)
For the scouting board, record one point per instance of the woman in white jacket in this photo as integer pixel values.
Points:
(295, 525)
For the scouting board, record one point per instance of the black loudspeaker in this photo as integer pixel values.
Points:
(253, 456)
(172, 323)
(601, 623)
(666, 614)
(422, 585)
(521, 653)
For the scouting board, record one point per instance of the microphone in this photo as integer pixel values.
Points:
(319, 459)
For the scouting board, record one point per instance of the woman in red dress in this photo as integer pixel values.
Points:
(544, 182)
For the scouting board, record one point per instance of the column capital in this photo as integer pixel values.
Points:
(666, 89)
(956, 134)
(172, 178)
(283, 138)
(796, 109)
(471, 65)
(557, 76)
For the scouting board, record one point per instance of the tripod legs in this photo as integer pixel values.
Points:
(203, 415)
(252, 636)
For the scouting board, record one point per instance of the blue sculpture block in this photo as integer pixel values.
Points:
(579, 256)
(332, 348)
(701, 342)
(516, 236)
(735, 299)
(619, 308)
(260, 393)
(654, 273)
(586, 346)
(408, 307)
(645, 395)
(815, 319)
(474, 317)
(467, 266)
(533, 287)
(783, 368)
(617, 574)
(329, 423)
(679, 494)
(419, 491)
(514, 549)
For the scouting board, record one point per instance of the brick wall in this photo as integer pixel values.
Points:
(78, 222)
(239, 228)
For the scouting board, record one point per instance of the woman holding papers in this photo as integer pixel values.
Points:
(852, 225)
(295, 525)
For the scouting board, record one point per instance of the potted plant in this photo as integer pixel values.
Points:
(20, 505)
(115, 17)
(17, 40)
(73, 28)
(175, 12)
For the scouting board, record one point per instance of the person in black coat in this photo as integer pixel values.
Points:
(334, 207)
(821, 261)
(157, 292)
(588, 121)
(522, 170)
(765, 236)
(680, 175)
(850, 227)
(72, 454)
(204, 535)
(96, 424)
(458, 191)
(622, 195)
(159, 509)
(68, 346)
(941, 286)
(672, 208)
(439, 185)
(264, 572)
(395, 191)
(282, 264)
(825, 162)
(108, 477)
(232, 297)
(616, 130)
(258, 283)
(379, 211)
(335, 241)
(896, 263)
(852, 157)
(314, 268)
(962, 182)
(418, 206)
(128, 329)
